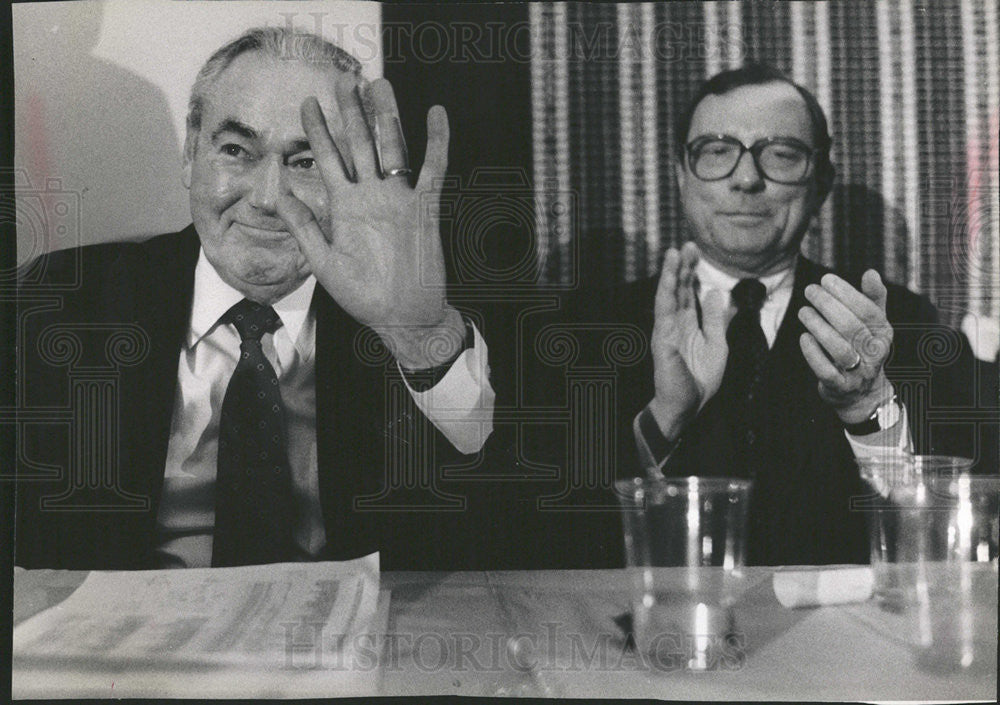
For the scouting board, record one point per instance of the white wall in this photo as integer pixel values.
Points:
(100, 91)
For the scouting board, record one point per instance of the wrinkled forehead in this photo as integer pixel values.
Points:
(752, 112)
(267, 92)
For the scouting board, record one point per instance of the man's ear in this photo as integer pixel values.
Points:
(824, 185)
(190, 144)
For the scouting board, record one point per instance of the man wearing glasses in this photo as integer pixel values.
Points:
(767, 365)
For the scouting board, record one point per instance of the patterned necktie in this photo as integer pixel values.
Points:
(253, 488)
(747, 346)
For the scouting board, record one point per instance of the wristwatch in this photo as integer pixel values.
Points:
(885, 416)
(422, 380)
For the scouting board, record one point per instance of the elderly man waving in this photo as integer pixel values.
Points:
(264, 424)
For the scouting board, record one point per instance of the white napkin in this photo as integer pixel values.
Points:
(815, 588)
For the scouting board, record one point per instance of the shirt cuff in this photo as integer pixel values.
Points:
(654, 448)
(878, 444)
(461, 405)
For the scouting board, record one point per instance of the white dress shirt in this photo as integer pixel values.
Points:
(772, 313)
(460, 406)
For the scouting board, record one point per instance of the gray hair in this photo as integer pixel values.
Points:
(277, 42)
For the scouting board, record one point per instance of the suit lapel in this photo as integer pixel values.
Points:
(348, 429)
(160, 302)
(329, 356)
(791, 328)
(788, 374)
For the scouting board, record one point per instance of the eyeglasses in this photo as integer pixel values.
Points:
(783, 160)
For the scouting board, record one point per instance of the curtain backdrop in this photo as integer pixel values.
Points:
(910, 88)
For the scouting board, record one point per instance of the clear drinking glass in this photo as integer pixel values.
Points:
(934, 546)
(685, 545)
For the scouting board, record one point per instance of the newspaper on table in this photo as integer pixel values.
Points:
(281, 630)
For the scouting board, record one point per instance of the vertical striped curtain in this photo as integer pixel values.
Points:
(910, 89)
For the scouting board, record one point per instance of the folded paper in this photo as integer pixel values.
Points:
(816, 588)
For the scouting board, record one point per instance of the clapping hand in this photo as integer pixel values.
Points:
(377, 248)
(847, 344)
(688, 360)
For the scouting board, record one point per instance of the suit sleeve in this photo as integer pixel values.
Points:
(950, 395)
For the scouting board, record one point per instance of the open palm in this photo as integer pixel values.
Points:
(377, 247)
(688, 359)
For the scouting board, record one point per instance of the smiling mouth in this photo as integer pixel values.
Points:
(263, 233)
(744, 217)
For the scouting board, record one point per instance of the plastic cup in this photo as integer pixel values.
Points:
(934, 538)
(685, 545)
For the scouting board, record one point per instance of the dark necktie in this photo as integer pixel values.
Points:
(253, 488)
(747, 349)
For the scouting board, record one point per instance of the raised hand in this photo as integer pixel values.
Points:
(377, 248)
(847, 344)
(688, 360)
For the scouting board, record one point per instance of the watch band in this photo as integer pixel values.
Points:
(885, 415)
(422, 380)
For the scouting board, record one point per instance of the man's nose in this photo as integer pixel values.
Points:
(747, 175)
(267, 185)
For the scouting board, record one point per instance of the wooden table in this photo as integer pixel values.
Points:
(553, 633)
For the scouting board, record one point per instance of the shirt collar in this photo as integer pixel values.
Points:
(213, 297)
(711, 277)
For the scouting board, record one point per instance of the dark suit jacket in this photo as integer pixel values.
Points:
(100, 332)
(803, 468)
